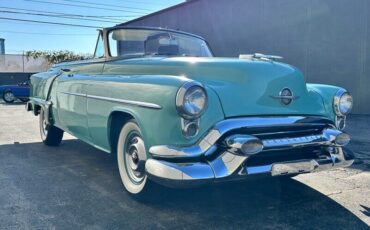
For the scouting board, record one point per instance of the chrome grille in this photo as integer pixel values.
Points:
(292, 141)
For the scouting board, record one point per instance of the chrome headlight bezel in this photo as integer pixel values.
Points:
(337, 103)
(181, 97)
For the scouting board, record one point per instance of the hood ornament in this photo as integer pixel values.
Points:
(259, 56)
(286, 96)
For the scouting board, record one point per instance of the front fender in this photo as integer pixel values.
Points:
(327, 93)
(41, 83)
(159, 126)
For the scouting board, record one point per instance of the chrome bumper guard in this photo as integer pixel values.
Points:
(29, 106)
(44, 105)
(164, 167)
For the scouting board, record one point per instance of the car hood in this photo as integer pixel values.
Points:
(2, 87)
(244, 86)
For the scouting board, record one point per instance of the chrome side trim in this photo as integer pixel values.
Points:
(127, 102)
(121, 101)
(74, 94)
(222, 127)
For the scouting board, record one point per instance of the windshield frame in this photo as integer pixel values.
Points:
(107, 31)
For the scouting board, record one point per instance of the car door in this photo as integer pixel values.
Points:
(71, 97)
(23, 89)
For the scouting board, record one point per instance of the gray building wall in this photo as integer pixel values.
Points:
(327, 39)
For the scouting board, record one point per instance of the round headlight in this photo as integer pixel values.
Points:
(343, 103)
(191, 100)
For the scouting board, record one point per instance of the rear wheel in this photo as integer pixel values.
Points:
(50, 135)
(8, 97)
(131, 157)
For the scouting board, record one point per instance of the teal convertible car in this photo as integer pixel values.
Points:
(174, 114)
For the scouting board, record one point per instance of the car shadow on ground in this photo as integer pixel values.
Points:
(12, 104)
(78, 186)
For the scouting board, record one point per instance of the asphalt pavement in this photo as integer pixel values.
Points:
(75, 186)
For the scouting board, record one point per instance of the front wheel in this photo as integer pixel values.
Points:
(50, 135)
(8, 97)
(131, 157)
(24, 99)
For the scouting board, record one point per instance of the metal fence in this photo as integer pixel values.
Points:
(18, 63)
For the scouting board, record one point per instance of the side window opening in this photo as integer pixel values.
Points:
(99, 49)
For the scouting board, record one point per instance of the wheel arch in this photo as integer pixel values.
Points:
(7, 90)
(117, 119)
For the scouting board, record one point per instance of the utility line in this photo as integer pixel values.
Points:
(31, 33)
(100, 4)
(58, 16)
(82, 6)
(44, 22)
(76, 15)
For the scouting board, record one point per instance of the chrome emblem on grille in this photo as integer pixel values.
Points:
(286, 96)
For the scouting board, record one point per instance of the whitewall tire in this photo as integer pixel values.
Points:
(131, 157)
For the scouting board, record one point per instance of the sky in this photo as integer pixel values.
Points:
(23, 36)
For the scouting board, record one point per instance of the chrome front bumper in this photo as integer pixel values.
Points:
(211, 161)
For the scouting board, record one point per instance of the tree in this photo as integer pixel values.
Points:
(53, 57)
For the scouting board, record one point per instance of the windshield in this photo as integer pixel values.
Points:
(127, 42)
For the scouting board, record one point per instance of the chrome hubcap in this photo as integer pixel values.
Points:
(9, 96)
(134, 165)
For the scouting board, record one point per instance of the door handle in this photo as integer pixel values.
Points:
(65, 70)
